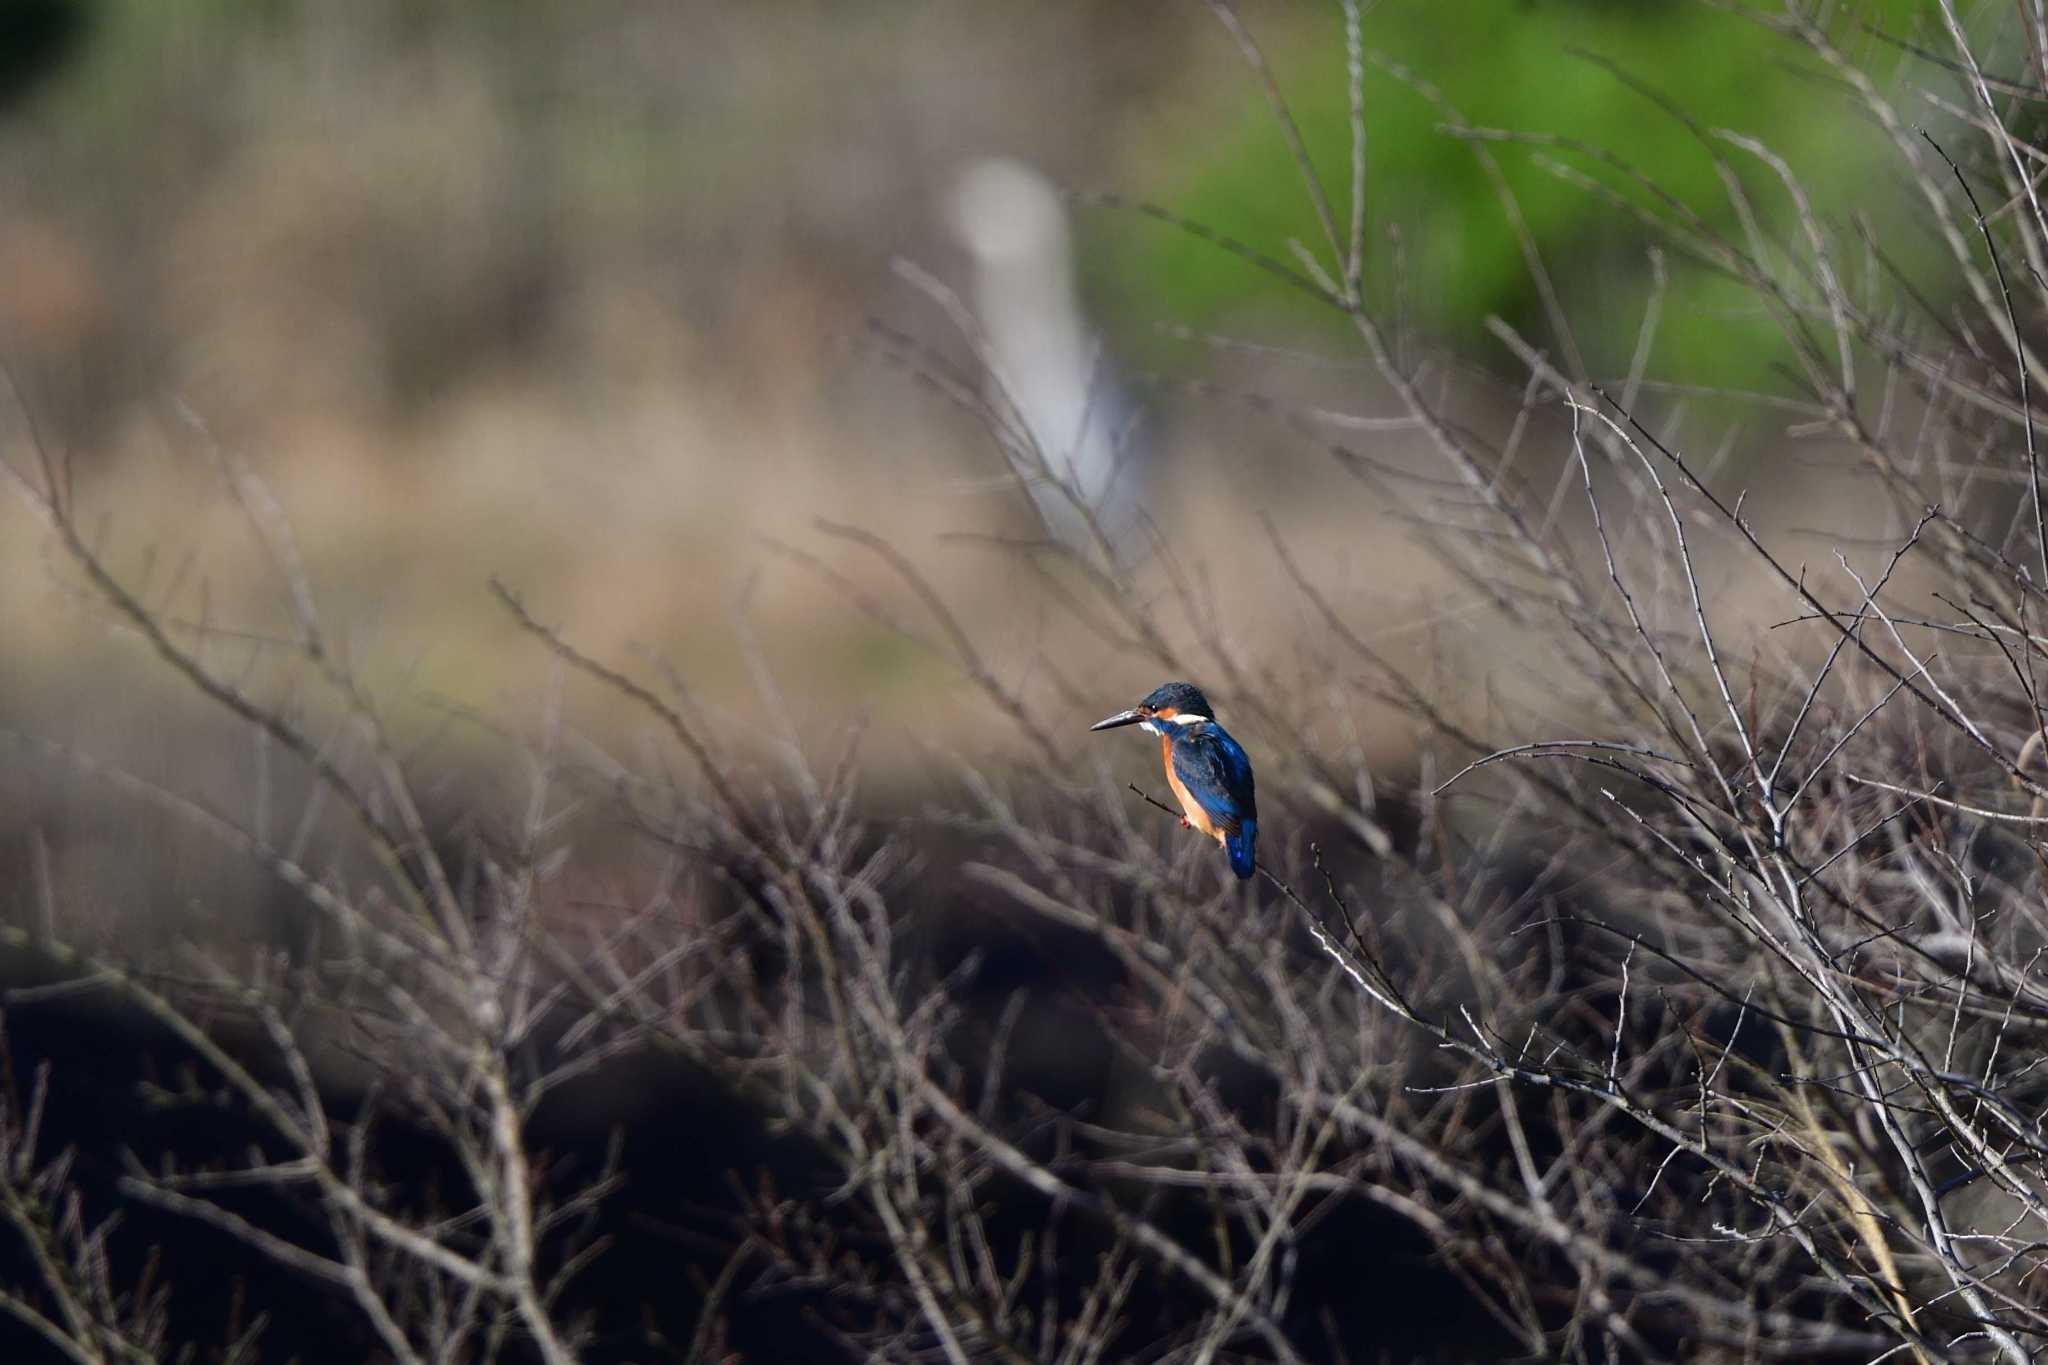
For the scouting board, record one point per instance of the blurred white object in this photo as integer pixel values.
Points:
(1047, 372)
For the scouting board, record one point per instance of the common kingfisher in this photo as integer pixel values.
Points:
(1207, 769)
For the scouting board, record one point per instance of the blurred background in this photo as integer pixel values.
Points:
(616, 301)
(610, 300)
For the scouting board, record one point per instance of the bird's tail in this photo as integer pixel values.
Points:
(1239, 846)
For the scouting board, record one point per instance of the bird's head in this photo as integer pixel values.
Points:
(1174, 703)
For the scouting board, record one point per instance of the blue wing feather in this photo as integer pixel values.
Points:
(1217, 773)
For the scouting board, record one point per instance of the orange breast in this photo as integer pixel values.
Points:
(1197, 817)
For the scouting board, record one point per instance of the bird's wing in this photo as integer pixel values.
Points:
(1216, 772)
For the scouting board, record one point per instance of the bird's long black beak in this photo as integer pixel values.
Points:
(1120, 718)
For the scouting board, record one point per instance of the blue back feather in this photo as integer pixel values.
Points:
(1217, 773)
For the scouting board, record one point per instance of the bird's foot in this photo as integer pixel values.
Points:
(1184, 823)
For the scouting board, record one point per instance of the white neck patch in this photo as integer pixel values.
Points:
(1186, 718)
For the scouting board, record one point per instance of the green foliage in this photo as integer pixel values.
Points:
(1562, 71)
